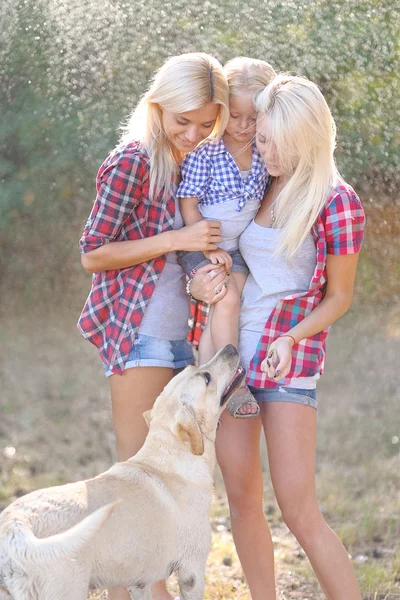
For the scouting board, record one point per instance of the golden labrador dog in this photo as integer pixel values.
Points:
(139, 521)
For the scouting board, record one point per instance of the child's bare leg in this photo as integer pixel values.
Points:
(224, 328)
(206, 346)
(225, 318)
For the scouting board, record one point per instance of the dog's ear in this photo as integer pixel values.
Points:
(187, 429)
(147, 417)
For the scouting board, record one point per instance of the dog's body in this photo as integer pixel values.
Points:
(139, 521)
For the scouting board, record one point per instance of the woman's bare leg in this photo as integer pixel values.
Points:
(132, 394)
(290, 430)
(238, 453)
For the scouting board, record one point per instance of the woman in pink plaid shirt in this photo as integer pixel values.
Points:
(302, 250)
(137, 310)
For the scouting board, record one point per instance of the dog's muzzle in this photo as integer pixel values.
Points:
(233, 386)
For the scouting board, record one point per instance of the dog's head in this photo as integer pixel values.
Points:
(194, 399)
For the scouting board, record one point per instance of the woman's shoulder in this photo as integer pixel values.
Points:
(342, 197)
(130, 157)
(342, 219)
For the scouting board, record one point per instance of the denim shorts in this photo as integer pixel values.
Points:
(149, 351)
(195, 260)
(285, 394)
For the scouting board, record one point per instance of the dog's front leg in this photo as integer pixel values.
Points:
(139, 593)
(191, 581)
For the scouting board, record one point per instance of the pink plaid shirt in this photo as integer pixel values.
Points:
(338, 230)
(122, 211)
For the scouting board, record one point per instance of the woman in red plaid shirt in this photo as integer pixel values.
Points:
(137, 310)
(302, 251)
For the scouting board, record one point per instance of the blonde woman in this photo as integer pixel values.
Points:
(137, 309)
(302, 251)
(225, 180)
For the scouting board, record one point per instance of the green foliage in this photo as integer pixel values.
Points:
(71, 71)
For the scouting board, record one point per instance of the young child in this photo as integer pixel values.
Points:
(225, 180)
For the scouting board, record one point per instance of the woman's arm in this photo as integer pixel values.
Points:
(203, 236)
(119, 191)
(341, 270)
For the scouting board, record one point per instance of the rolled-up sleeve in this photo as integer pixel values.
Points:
(195, 176)
(119, 186)
(344, 223)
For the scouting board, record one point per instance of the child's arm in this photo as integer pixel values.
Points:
(195, 171)
(189, 210)
(191, 214)
(219, 257)
(194, 184)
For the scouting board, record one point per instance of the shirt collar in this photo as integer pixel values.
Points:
(215, 146)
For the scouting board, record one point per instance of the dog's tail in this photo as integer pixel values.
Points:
(65, 545)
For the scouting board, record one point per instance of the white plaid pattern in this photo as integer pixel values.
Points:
(211, 174)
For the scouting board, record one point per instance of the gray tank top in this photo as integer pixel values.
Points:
(166, 316)
(233, 223)
(271, 278)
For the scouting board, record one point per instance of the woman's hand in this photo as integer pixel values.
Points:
(219, 257)
(279, 358)
(203, 235)
(209, 284)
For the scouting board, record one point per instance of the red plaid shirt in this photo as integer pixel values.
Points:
(338, 230)
(122, 211)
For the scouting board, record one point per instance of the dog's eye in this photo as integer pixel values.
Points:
(207, 377)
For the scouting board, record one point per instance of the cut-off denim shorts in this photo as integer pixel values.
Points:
(285, 394)
(150, 351)
(195, 260)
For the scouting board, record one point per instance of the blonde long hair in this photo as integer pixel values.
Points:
(301, 127)
(183, 83)
(247, 74)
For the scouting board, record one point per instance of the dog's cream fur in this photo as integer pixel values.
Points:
(136, 523)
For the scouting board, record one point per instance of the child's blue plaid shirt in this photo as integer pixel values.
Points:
(211, 174)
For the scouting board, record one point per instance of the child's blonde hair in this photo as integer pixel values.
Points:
(184, 83)
(300, 126)
(247, 75)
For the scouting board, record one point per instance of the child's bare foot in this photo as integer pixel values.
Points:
(248, 408)
(243, 405)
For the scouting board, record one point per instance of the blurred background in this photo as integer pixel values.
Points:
(70, 73)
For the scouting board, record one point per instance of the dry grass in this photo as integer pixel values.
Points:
(54, 411)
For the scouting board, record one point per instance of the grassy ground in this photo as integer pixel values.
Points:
(55, 426)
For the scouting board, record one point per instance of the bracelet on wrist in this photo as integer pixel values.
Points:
(189, 293)
(189, 283)
(289, 336)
